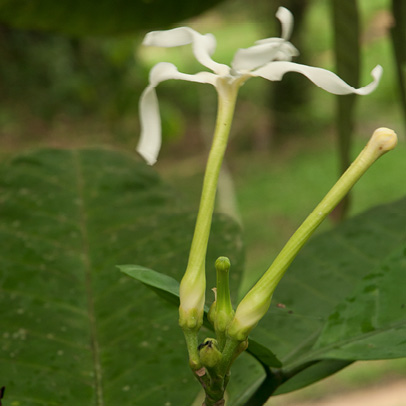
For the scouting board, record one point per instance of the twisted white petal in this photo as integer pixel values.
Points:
(325, 79)
(286, 19)
(258, 55)
(149, 143)
(203, 45)
(268, 58)
(150, 121)
(268, 49)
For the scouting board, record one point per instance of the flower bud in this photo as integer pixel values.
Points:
(224, 311)
(192, 295)
(222, 264)
(210, 356)
(249, 312)
(382, 140)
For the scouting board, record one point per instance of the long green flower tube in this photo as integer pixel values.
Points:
(256, 303)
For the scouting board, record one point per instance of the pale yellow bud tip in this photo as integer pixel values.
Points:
(384, 139)
(222, 264)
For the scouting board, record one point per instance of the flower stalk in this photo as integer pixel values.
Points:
(193, 284)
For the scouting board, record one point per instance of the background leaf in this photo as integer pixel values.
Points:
(371, 323)
(74, 330)
(163, 285)
(103, 17)
(327, 294)
(312, 374)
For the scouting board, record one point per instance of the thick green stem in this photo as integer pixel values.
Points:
(232, 349)
(212, 402)
(365, 159)
(193, 284)
(256, 303)
(226, 101)
(192, 346)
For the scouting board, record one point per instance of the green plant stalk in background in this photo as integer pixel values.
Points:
(345, 16)
(398, 35)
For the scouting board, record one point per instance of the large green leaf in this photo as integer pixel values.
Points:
(371, 323)
(102, 17)
(343, 298)
(74, 330)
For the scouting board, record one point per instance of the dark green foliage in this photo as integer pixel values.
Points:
(48, 72)
(46, 76)
(102, 17)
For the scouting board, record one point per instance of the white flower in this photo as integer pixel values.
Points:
(269, 58)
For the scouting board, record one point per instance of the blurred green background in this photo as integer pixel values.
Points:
(66, 90)
(69, 90)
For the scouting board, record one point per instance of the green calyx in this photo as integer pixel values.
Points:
(209, 353)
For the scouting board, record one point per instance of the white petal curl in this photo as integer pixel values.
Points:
(164, 71)
(268, 49)
(177, 37)
(286, 19)
(264, 52)
(323, 78)
(203, 45)
(150, 139)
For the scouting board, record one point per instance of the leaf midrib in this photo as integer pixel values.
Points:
(98, 377)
